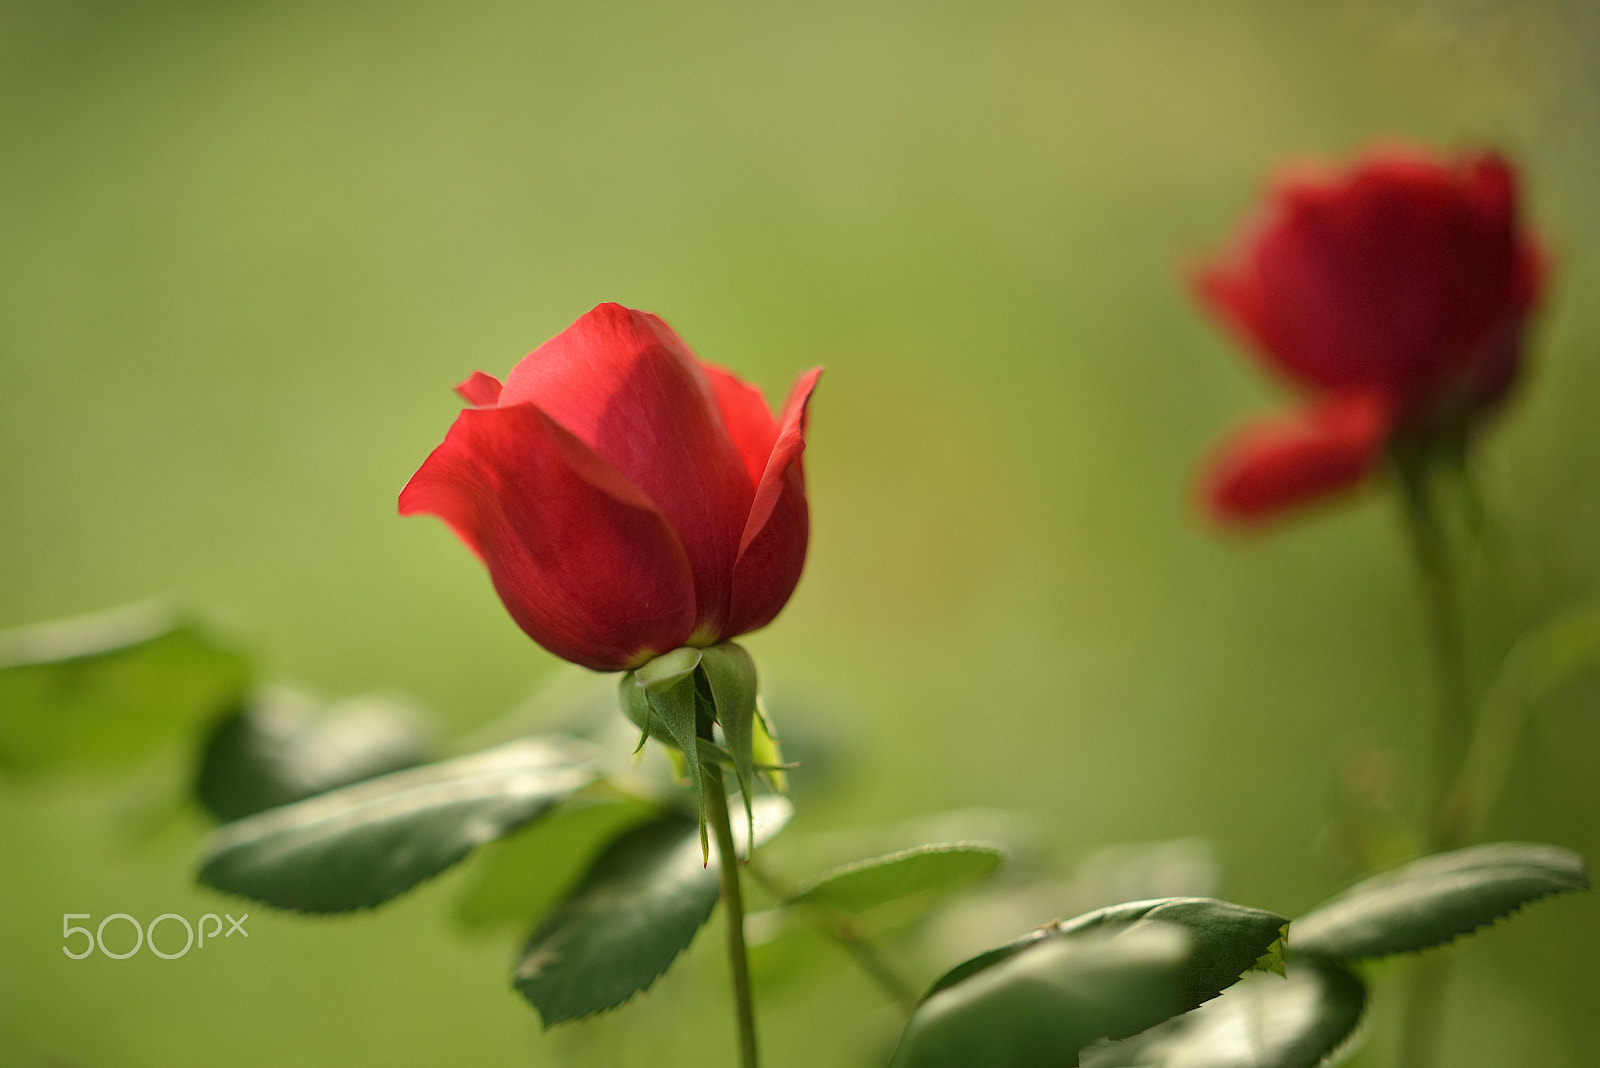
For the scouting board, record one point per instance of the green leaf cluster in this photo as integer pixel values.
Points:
(1106, 974)
(283, 746)
(1301, 1019)
(112, 689)
(1435, 900)
(638, 907)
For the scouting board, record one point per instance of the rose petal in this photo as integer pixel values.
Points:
(747, 417)
(584, 562)
(623, 383)
(481, 390)
(1275, 465)
(1391, 276)
(772, 551)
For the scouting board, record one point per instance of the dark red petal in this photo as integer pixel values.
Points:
(583, 561)
(1392, 276)
(481, 390)
(747, 417)
(1279, 464)
(772, 551)
(623, 383)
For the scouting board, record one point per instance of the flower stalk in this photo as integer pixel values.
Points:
(1450, 729)
(732, 911)
(1451, 717)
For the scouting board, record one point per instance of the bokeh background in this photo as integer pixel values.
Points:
(248, 247)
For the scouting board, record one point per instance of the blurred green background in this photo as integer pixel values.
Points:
(248, 247)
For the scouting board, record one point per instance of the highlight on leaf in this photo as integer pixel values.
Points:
(1437, 899)
(361, 845)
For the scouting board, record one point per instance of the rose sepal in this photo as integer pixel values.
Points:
(676, 698)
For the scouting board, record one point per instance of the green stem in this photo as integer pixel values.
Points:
(843, 933)
(873, 963)
(732, 912)
(1450, 730)
(1451, 717)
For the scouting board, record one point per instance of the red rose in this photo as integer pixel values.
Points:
(1394, 295)
(627, 498)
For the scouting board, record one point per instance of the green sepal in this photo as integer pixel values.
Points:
(671, 715)
(731, 675)
(769, 758)
(668, 669)
(710, 750)
(635, 702)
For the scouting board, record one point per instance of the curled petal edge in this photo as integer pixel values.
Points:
(772, 550)
(747, 417)
(584, 563)
(1280, 464)
(481, 390)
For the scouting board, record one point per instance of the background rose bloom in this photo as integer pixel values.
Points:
(626, 497)
(1394, 294)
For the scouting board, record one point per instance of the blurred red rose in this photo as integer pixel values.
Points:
(1394, 295)
(627, 498)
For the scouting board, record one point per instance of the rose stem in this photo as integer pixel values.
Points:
(1451, 727)
(1435, 568)
(732, 911)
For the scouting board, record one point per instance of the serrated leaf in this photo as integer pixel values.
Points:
(522, 876)
(1044, 1004)
(110, 689)
(1262, 1022)
(1436, 899)
(284, 747)
(731, 677)
(1228, 940)
(1272, 960)
(358, 846)
(911, 876)
(639, 906)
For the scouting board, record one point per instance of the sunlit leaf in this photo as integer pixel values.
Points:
(1436, 899)
(361, 845)
(1228, 940)
(110, 689)
(522, 876)
(1262, 1022)
(282, 746)
(912, 876)
(635, 911)
(1043, 1004)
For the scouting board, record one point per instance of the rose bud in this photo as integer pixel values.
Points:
(627, 498)
(1394, 297)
